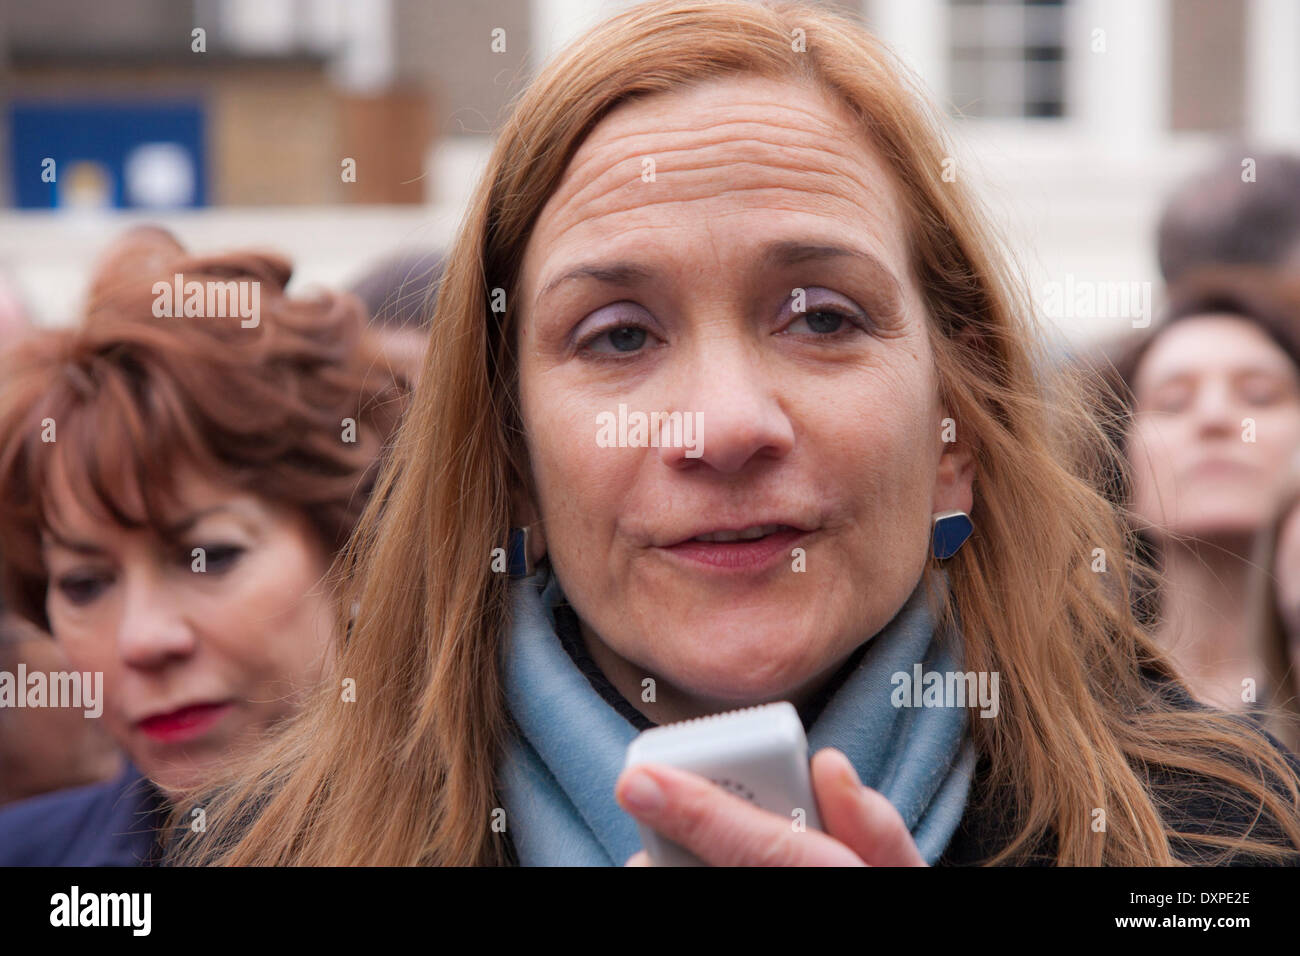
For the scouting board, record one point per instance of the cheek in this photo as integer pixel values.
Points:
(560, 448)
(87, 637)
(276, 625)
(581, 486)
(87, 648)
(1150, 463)
(1278, 436)
(878, 438)
(1287, 572)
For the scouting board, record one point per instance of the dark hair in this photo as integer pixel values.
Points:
(1262, 296)
(1216, 218)
(400, 291)
(133, 397)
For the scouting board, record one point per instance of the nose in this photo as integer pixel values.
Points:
(1216, 412)
(153, 630)
(730, 397)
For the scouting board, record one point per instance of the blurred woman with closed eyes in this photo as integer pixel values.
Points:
(172, 494)
(1212, 401)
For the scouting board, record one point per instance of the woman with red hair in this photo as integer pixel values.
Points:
(173, 490)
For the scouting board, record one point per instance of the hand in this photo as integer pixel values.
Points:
(862, 827)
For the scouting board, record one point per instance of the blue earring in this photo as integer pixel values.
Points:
(519, 565)
(950, 531)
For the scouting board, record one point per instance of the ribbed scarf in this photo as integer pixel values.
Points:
(557, 777)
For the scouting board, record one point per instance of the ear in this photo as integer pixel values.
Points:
(525, 514)
(954, 488)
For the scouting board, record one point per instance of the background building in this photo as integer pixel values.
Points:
(1075, 118)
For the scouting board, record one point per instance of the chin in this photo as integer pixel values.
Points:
(173, 780)
(175, 776)
(738, 679)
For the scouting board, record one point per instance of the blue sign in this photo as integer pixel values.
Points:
(135, 154)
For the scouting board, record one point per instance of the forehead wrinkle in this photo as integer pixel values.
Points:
(629, 195)
(866, 239)
(816, 163)
(610, 137)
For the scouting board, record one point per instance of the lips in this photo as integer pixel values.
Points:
(1221, 466)
(750, 549)
(745, 528)
(185, 723)
(752, 533)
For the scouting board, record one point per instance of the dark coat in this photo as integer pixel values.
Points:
(1199, 807)
(1196, 805)
(103, 824)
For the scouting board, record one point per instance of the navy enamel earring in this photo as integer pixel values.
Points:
(949, 532)
(519, 564)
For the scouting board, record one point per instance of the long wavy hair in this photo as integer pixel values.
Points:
(405, 774)
(1271, 638)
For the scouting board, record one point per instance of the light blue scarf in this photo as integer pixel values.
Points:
(557, 779)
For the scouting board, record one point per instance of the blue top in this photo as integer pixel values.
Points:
(103, 824)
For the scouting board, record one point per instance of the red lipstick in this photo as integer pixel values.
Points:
(187, 723)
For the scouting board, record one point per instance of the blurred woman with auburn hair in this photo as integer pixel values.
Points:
(737, 211)
(173, 491)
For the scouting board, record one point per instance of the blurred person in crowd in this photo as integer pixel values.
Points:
(400, 293)
(146, 249)
(1210, 405)
(1243, 210)
(46, 748)
(798, 281)
(173, 490)
(41, 748)
(14, 322)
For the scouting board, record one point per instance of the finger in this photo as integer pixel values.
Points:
(859, 817)
(720, 828)
(639, 858)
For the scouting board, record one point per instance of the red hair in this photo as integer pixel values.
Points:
(129, 398)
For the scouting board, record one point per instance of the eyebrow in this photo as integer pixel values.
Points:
(171, 531)
(68, 545)
(1240, 371)
(780, 254)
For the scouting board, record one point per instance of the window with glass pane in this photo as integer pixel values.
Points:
(1007, 57)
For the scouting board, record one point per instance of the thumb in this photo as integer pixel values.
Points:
(859, 817)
